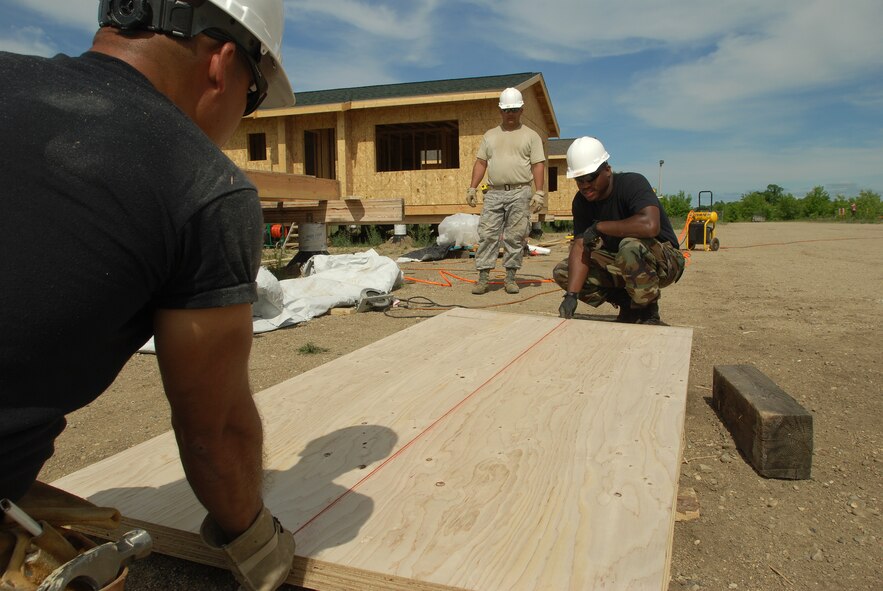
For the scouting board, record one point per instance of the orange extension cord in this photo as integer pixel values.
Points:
(447, 275)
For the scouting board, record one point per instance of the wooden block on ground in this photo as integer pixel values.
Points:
(476, 450)
(772, 429)
(688, 505)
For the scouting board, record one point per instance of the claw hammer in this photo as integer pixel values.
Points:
(100, 565)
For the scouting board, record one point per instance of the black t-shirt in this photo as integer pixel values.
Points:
(113, 204)
(631, 193)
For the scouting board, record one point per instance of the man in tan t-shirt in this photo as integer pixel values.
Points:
(512, 155)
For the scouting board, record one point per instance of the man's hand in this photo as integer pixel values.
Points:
(471, 199)
(568, 306)
(591, 238)
(261, 557)
(538, 202)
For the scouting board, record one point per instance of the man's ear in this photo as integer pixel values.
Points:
(220, 62)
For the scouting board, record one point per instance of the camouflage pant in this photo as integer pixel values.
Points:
(637, 272)
(506, 213)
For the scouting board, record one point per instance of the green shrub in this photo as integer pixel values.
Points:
(421, 234)
(676, 206)
(373, 236)
(775, 204)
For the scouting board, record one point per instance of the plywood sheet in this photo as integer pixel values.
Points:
(476, 450)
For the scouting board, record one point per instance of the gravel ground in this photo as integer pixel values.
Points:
(803, 302)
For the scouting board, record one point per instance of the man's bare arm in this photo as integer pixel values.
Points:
(538, 170)
(644, 224)
(577, 266)
(203, 356)
(478, 170)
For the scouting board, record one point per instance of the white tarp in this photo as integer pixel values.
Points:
(329, 281)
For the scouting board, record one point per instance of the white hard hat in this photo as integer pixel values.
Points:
(511, 99)
(584, 156)
(254, 25)
(265, 20)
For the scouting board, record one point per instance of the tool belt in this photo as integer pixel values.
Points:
(28, 557)
(508, 187)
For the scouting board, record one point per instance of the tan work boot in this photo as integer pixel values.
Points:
(480, 286)
(509, 283)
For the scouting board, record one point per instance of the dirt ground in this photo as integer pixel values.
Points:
(803, 302)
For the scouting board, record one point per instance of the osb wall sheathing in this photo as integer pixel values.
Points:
(237, 147)
(425, 187)
(560, 200)
(296, 126)
(416, 187)
(356, 157)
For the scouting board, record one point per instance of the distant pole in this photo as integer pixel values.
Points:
(659, 183)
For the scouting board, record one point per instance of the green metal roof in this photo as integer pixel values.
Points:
(409, 89)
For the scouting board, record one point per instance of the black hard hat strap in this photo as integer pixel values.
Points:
(173, 17)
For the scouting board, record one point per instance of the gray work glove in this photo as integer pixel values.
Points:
(538, 202)
(471, 199)
(261, 557)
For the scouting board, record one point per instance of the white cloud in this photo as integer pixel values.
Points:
(28, 41)
(81, 14)
(314, 70)
(805, 49)
(867, 97)
(411, 22)
(714, 65)
(362, 41)
(573, 31)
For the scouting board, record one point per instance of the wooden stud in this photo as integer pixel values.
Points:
(337, 211)
(769, 426)
(298, 186)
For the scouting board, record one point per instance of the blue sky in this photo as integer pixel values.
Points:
(732, 94)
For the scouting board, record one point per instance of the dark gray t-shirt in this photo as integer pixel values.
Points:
(113, 204)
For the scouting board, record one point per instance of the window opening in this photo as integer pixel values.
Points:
(418, 146)
(257, 146)
(319, 153)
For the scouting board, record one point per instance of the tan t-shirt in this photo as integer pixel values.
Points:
(509, 154)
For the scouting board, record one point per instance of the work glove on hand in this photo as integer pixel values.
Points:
(471, 199)
(538, 202)
(261, 557)
(591, 238)
(568, 306)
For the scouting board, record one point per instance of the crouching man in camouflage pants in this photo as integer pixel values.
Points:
(624, 248)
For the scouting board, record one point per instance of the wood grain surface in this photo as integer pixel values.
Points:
(476, 450)
(337, 211)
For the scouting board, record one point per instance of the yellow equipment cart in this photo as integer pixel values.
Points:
(701, 224)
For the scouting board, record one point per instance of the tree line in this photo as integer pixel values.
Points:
(775, 204)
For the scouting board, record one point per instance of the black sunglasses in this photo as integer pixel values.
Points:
(590, 178)
(257, 92)
(513, 110)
